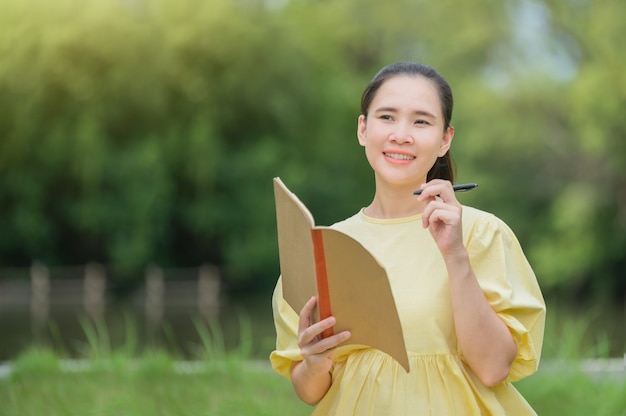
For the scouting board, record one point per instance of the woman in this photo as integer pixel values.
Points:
(470, 307)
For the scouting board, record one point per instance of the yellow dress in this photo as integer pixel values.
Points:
(368, 382)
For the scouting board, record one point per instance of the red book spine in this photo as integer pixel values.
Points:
(323, 294)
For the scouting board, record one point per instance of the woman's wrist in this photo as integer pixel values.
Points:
(310, 385)
(458, 255)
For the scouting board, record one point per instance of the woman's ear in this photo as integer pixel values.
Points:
(361, 130)
(446, 141)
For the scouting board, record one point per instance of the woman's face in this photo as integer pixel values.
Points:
(403, 133)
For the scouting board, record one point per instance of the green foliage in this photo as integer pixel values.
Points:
(572, 392)
(212, 341)
(107, 380)
(132, 381)
(153, 384)
(98, 343)
(583, 330)
(150, 384)
(148, 132)
(36, 361)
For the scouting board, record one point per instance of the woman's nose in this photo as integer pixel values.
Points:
(401, 134)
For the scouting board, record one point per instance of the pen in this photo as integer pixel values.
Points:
(463, 187)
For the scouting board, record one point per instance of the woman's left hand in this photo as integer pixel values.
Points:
(442, 215)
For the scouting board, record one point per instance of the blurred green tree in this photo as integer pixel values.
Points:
(148, 132)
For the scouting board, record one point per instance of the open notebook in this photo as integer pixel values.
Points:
(349, 282)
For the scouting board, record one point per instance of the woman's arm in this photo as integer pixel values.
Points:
(311, 377)
(484, 340)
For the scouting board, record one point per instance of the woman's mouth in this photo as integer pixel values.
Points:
(398, 156)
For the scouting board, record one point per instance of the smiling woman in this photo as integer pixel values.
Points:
(471, 311)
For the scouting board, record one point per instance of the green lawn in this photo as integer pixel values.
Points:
(149, 385)
(573, 393)
(131, 381)
(154, 384)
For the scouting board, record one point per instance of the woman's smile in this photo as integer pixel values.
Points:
(396, 157)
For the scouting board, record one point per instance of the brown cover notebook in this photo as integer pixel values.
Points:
(348, 281)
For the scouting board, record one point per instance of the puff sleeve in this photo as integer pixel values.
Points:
(286, 322)
(511, 288)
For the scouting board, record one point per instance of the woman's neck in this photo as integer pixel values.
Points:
(394, 202)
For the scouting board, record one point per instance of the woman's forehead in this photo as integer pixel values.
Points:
(407, 90)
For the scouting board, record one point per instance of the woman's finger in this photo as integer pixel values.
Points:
(436, 211)
(438, 189)
(433, 188)
(326, 345)
(315, 330)
(305, 314)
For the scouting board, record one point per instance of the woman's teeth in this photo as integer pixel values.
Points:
(399, 156)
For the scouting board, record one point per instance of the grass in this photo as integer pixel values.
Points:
(560, 387)
(149, 385)
(126, 381)
(573, 393)
(41, 383)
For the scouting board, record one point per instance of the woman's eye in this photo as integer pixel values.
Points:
(386, 117)
(421, 122)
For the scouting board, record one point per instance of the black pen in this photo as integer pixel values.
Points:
(463, 187)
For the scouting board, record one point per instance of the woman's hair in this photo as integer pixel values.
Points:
(444, 167)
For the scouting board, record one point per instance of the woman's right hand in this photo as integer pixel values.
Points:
(317, 352)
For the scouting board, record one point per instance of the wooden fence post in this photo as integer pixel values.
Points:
(95, 286)
(40, 296)
(208, 291)
(155, 289)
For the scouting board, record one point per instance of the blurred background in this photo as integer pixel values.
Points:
(139, 139)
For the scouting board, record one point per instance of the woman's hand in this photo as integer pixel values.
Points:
(316, 351)
(311, 376)
(442, 216)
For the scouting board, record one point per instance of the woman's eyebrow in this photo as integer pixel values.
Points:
(424, 113)
(386, 109)
(395, 110)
